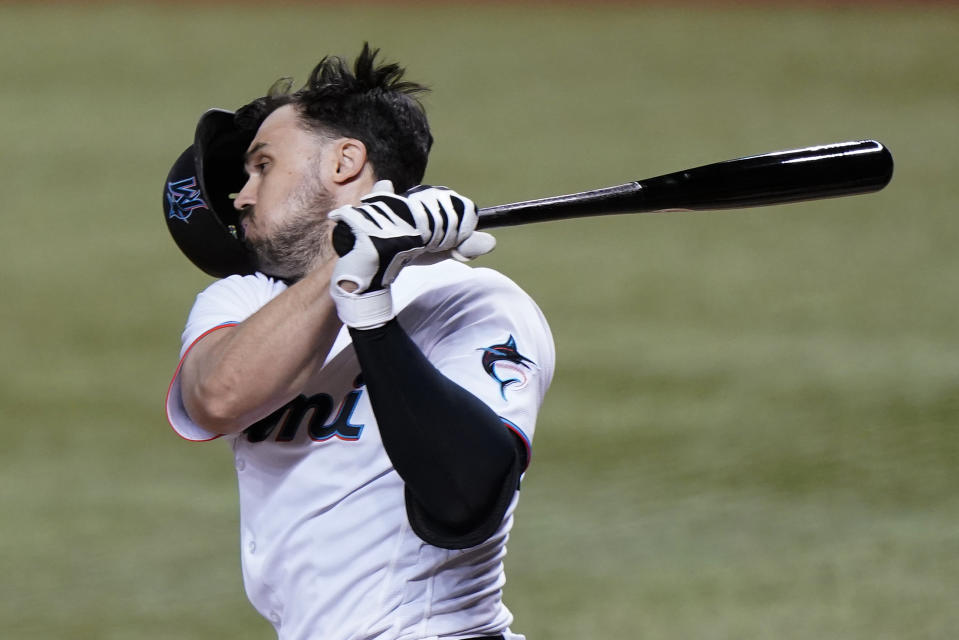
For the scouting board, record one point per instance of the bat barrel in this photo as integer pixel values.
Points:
(811, 173)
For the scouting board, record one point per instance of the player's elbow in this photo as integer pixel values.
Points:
(467, 503)
(215, 407)
(457, 515)
(459, 523)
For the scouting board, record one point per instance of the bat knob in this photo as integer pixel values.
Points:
(343, 239)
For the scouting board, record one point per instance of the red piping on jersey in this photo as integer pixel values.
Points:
(177, 372)
(522, 436)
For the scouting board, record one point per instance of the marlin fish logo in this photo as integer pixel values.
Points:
(183, 197)
(505, 357)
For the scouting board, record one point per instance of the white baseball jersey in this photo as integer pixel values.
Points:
(327, 548)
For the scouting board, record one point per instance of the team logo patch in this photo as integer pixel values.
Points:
(184, 198)
(505, 364)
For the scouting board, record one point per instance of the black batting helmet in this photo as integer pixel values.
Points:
(197, 202)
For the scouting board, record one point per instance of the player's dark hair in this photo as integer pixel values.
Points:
(371, 103)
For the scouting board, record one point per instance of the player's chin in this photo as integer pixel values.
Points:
(276, 270)
(269, 261)
(295, 266)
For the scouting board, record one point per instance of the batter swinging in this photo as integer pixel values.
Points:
(381, 405)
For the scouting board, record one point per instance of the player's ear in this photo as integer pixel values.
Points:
(348, 159)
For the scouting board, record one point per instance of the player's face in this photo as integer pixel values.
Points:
(285, 202)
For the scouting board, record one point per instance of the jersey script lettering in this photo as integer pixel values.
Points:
(314, 411)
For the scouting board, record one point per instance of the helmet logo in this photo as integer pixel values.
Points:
(184, 197)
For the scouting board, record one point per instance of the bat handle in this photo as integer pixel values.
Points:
(343, 238)
(623, 198)
(618, 199)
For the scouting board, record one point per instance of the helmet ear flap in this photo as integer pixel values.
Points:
(197, 203)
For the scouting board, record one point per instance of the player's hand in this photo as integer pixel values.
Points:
(451, 226)
(385, 239)
(390, 231)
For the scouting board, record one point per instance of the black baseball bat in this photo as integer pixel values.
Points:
(778, 177)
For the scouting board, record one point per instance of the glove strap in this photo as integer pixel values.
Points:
(365, 310)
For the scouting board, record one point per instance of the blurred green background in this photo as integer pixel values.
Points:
(752, 429)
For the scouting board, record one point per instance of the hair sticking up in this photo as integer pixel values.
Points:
(372, 102)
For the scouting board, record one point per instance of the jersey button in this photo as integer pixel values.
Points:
(251, 546)
(240, 464)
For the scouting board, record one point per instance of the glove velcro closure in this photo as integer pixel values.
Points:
(364, 310)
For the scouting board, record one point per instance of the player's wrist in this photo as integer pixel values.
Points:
(367, 310)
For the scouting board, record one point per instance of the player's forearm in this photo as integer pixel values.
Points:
(244, 373)
(449, 447)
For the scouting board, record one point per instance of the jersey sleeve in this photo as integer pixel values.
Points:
(488, 336)
(223, 304)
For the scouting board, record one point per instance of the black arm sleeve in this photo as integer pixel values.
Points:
(461, 465)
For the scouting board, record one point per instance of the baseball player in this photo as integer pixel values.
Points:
(380, 405)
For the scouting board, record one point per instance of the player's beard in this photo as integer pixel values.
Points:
(303, 241)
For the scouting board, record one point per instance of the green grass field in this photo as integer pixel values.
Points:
(752, 430)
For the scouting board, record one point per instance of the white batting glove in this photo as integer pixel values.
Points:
(456, 215)
(383, 242)
(391, 231)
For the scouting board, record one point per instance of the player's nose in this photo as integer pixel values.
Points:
(246, 197)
